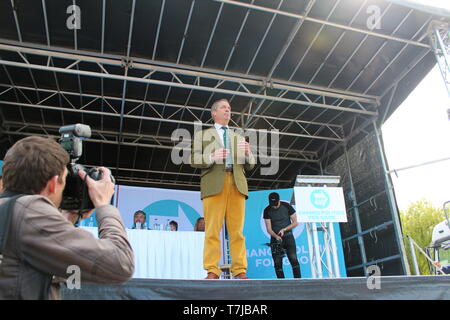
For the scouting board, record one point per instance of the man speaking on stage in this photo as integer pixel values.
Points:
(223, 155)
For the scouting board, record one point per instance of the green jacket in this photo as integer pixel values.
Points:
(213, 174)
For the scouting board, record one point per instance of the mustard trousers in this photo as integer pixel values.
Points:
(228, 205)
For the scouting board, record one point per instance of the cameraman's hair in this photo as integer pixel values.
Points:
(31, 162)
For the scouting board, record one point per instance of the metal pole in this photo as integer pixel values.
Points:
(413, 255)
(442, 45)
(392, 203)
(311, 251)
(440, 50)
(318, 261)
(426, 256)
(326, 241)
(356, 213)
(337, 273)
(122, 108)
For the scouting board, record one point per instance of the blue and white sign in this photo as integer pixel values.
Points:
(259, 255)
(160, 206)
(320, 204)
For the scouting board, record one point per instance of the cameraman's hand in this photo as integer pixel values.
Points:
(100, 191)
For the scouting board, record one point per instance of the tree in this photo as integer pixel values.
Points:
(418, 222)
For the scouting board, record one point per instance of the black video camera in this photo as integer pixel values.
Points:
(75, 194)
(277, 248)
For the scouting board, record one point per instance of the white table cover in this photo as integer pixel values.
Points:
(165, 254)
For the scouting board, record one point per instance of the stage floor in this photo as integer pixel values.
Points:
(390, 288)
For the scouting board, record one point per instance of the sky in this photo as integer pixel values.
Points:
(418, 132)
(437, 3)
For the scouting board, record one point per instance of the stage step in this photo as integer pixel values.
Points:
(389, 288)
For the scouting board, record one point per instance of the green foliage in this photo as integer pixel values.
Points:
(418, 222)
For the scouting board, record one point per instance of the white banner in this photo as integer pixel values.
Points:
(160, 206)
(324, 204)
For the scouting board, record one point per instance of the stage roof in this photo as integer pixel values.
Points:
(321, 72)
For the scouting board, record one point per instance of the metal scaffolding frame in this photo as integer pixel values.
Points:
(440, 40)
(353, 131)
(355, 208)
(308, 139)
(276, 69)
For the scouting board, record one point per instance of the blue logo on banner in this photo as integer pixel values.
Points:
(320, 199)
(172, 208)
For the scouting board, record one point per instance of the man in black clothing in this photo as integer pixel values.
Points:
(280, 219)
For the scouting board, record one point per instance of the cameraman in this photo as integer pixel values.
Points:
(280, 218)
(43, 242)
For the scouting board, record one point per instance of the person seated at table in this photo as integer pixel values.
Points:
(173, 225)
(200, 224)
(139, 220)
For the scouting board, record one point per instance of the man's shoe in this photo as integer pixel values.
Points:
(241, 276)
(212, 275)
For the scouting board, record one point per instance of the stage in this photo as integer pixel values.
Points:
(391, 288)
(311, 82)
